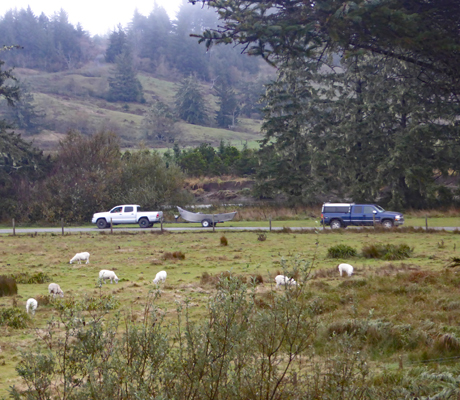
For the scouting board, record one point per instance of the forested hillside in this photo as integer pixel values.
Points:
(145, 82)
(363, 106)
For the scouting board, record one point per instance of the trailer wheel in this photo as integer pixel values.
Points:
(206, 223)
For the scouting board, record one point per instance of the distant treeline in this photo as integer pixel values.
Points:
(157, 43)
(90, 173)
(204, 160)
(86, 175)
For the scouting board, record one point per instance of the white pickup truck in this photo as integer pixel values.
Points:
(127, 214)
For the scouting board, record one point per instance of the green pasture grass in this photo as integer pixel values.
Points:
(163, 89)
(432, 222)
(194, 135)
(417, 296)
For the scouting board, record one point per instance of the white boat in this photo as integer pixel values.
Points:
(206, 220)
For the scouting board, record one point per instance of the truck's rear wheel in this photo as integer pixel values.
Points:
(144, 223)
(336, 224)
(101, 223)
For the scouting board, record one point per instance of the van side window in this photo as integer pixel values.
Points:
(129, 209)
(368, 209)
(358, 210)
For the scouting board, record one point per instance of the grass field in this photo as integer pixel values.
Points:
(415, 299)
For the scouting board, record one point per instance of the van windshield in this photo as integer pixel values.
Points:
(379, 208)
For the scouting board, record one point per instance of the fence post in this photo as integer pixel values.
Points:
(161, 221)
(213, 225)
(111, 226)
(426, 222)
(270, 220)
(14, 228)
(373, 219)
(62, 226)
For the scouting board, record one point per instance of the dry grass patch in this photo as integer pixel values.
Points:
(177, 255)
(325, 273)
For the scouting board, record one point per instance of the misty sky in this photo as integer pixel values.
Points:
(96, 16)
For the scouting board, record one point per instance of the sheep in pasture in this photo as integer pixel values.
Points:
(160, 277)
(80, 257)
(345, 268)
(31, 305)
(54, 289)
(284, 280)
(105, 274)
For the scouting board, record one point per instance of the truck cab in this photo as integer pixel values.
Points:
(124, 214)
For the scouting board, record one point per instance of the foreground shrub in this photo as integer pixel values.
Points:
(248, 345)
(341, 251)
(26, 278)
(8, 286)
(104, 302)
(380, 336)
(387, 251)
(14, 318)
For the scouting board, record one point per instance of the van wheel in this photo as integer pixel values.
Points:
(388, 223)
(101, 223)
(336, 224)
(144, 223)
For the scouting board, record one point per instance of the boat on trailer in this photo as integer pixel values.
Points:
(206, 220)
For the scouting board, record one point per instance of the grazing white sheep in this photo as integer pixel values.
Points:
(54, 289)
(80, 257)
(105, 274)
(284, 280)
(160, 277)
(31, 305)
(345, 268)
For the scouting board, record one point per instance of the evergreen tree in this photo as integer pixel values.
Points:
(187, 55)
(190, 105)
(159, 123)
(19, 160)
(357, 130)
(24, 114)
(125, 86)
(227, 114)
(117, 42)
(156, 35)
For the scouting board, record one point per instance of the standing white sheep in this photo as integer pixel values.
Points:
(80, 257)
(345, 268)
(54, 289)
(160, 277)
(31, 305)
(284, 280)
(105, 274)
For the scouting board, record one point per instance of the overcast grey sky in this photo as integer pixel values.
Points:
(96, 16)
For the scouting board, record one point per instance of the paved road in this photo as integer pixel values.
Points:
(166, 227)
(169, 227)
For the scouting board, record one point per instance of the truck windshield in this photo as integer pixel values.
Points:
(379, 208)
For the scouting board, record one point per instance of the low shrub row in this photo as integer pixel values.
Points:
(387, 252)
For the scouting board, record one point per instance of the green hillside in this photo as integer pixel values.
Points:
(75, 100)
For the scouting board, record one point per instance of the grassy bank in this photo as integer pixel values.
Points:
(396, 309)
